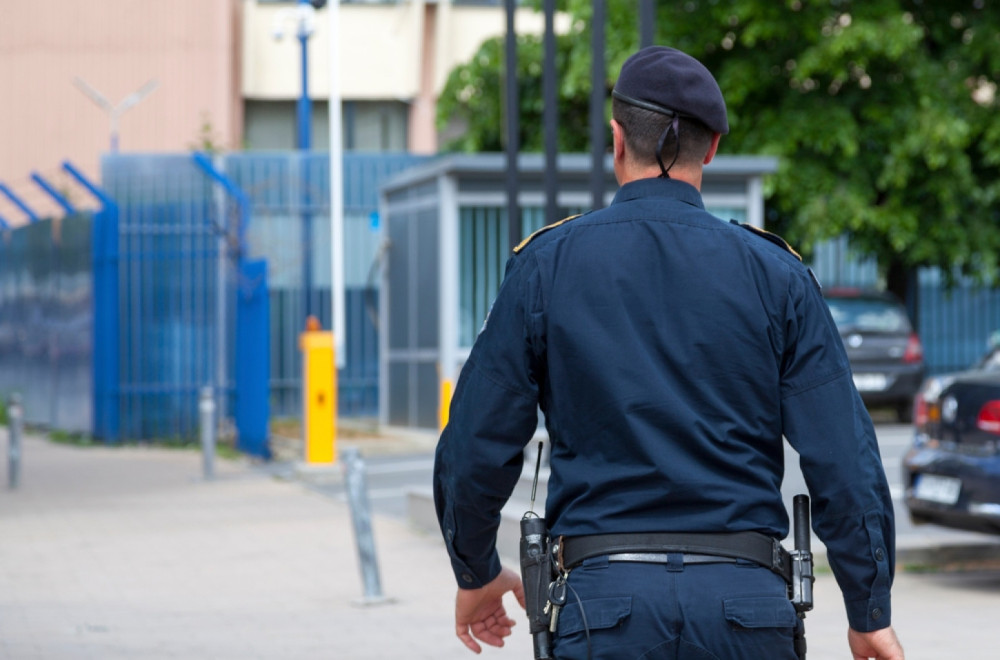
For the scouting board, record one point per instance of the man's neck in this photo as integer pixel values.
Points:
(691, 175)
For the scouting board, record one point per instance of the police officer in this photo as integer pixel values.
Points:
(670, 353)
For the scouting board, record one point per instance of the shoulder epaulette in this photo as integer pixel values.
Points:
(774, 238)
(522, 244)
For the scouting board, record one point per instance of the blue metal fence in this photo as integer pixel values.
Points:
(175, 300)
(289, 226)
(45, 320)
(157, 297)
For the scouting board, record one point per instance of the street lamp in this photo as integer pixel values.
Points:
(303, 16)
(115, 111)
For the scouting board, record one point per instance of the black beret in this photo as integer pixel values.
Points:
(667, 81)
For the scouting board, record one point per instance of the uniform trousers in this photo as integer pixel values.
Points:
(675, 611)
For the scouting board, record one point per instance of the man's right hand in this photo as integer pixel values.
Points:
(480, 612)
(879, 644)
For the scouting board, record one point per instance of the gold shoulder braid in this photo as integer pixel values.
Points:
(522, 244)
(774, 238)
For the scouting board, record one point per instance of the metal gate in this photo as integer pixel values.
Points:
(188, 297)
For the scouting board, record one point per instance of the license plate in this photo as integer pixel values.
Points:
(870, 382)
(943, 490)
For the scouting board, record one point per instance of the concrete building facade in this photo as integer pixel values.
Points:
(209, 73)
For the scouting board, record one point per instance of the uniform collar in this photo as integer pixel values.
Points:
(641, 188)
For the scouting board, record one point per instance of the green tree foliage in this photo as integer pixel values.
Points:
(473, 98)
(883, 113)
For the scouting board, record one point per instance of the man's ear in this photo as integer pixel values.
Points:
(617, 140)
(711, 150)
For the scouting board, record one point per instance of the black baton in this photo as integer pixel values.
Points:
(802, 570)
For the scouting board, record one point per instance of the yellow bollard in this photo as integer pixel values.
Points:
(445, 404)
(319, 395)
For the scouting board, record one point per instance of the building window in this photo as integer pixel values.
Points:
(374, 126)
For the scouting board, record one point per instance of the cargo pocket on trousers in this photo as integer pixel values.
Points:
(760, 612)
(602, 613)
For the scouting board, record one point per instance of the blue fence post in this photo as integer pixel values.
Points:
(19, 203)
(204, 163)
(253, 365)
(59, 198)
(107, 332)
(253, 362)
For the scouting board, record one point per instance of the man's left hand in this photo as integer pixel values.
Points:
(480, 612)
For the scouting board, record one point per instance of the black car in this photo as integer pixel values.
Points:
(952, 472)
(886, 356)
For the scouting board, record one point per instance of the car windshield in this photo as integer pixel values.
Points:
(868, 315)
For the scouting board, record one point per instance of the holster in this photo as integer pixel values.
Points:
(536, 575)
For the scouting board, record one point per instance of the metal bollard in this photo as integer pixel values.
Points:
(357, 497)
(206, 411)
(15, 417)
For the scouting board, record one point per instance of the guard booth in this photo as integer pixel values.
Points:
(445, 225)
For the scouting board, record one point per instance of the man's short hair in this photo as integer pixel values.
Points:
(643, 128)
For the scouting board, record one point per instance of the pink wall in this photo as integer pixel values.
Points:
(191, 47)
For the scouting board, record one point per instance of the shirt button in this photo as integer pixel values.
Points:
(879, 554)
(468, 578)
(877, 613)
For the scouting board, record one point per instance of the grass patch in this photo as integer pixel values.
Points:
(223, 450)
(68, 438)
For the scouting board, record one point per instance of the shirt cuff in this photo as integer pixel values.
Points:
(469, 577)
(869, 615)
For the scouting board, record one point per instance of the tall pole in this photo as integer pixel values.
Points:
(336, 190)
(304, 107)
(512, 106)
(550, 113)
(303, 113)
(647, 22)
(598, 75)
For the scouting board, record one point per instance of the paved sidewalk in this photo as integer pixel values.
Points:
(113, 553)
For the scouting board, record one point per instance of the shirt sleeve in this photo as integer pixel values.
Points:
(493, 415)
(826, 422)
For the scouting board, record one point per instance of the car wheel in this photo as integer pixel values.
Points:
(904, 412)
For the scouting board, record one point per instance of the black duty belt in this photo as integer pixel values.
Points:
(751, 546)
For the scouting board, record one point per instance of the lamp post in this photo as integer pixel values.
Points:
(336, 191)
(115, 111)
(304, 18)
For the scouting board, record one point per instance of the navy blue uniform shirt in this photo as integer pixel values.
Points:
(670, 352)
